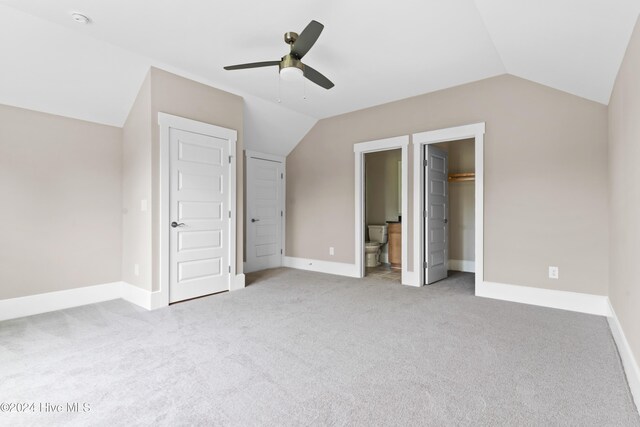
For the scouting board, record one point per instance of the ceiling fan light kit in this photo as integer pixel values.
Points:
(291, 69)
(291, 74)
(290, 66)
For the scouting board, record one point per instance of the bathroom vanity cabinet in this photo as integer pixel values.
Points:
(395, 244)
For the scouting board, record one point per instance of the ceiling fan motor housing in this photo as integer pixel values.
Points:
(291, 61)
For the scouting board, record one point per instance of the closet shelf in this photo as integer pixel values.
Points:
(462, 177)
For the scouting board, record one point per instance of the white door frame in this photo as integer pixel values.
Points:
(167, 122)
(421, 139)
(283, 161)
(360, 150)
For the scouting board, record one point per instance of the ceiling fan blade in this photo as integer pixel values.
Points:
(317, 77)
(306, 39)
(252, 65)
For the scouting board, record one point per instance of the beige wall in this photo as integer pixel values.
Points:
(60, 183)
(136, 188)
(462, 199)
(624, 194)
(76, 188)
(381, 188)
(182, 97)
(545, 179)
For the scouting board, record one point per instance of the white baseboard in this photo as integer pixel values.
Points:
(141, 297)
(410, 278)
(237, 282)
(462, 265)
(52, 301)
(329, 267)
(572, 301)
(337, 268)
(629, 362)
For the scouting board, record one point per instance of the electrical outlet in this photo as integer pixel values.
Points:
(136, 269)
(143, 205)
(553, 272)
(331, 251)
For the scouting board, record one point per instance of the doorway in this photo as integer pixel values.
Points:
(361, 231)
(265, 216)
(450, 208)
(383, 214)
(430, 255)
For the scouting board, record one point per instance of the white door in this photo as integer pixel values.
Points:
(436, 228)
(265, 213)
(199, 215)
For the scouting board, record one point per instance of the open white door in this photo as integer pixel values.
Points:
(199, 198)
(436, 228)
(265, 212)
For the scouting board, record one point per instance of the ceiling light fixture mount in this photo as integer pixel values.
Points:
(80, 18)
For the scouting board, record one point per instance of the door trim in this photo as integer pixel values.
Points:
(166, 123)
(283, 188)
(265, 156)
(360, 150)
(421, 139)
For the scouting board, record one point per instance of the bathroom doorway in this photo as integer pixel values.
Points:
(361, 231)
(383, 214)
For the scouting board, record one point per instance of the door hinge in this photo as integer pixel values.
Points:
(425, 163)
(426, 265)
(426, 214)
(280, 251)
(229, 214)
(281, 176)
(229, 269)
(229, 159)
(281, 213)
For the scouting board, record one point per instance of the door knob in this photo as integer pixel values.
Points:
(254, 220)
(175, 224)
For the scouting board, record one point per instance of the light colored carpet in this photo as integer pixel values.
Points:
(301, 348)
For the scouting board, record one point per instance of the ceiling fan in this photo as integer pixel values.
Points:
(290, 65)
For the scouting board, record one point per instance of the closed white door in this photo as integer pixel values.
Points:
(265, 213)
(199, 215)
(436, 228)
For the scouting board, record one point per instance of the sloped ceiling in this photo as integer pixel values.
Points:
(47, 67)
(374, 51)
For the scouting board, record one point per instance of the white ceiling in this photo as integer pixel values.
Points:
(375, 51)
(573, 45)
(46, 67)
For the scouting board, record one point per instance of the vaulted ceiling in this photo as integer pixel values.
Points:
(374, 51)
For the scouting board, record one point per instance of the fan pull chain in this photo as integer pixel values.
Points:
(278, 98)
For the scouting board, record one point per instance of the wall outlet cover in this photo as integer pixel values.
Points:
(331, 251)
(553, 272)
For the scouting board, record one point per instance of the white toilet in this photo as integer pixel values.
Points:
(372, 248)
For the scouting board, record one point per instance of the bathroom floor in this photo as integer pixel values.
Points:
(385, 272)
